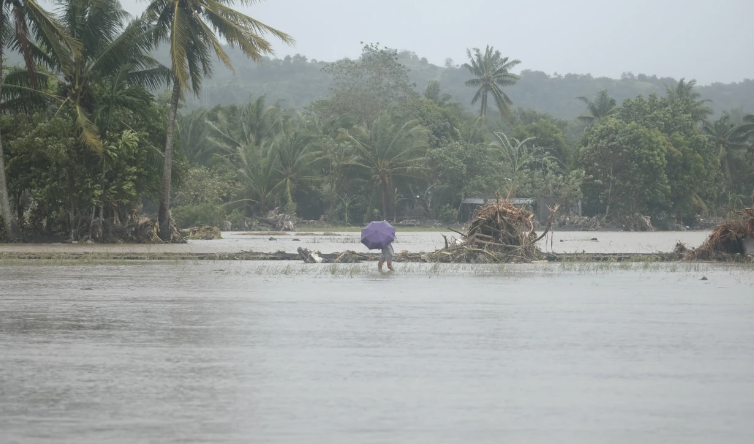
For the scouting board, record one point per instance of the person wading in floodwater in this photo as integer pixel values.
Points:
(386, 256)
(380, 236)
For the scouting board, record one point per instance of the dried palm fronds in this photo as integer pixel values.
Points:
(498, 232)
(728, 240)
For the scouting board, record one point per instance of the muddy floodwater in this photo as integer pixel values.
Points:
(258, 352)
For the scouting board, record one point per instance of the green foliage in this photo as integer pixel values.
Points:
(368, 146)
(201, 185)
(197, 215)
(627, 163)
(390, 150)
(448, 214)
(602, 106)
(546, 134)
(366, 88)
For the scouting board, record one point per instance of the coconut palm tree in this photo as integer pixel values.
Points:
(250, 124)
(257, 176)
(685, 92)
(193, 132)
(29, 29)
(192, 28)
(434, 93)
(109, 53)
(728, 138)
(295, 150)
(491, 72)
(105, 68)
(602, 106)
(387, 150)
(746, 129)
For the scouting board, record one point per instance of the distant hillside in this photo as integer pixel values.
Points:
(296, 81)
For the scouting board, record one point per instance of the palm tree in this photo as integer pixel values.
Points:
(109, 69)
(434, 93)
(685, 92)
(728, 138)
(257, 176)
(603, 106)
(294, 149)
(387, 150)
(193, 130)
(491, 71)
(746, 129)
(107, 55)
(22, 23)
(249, 124)
(192, 27)
(520, 155)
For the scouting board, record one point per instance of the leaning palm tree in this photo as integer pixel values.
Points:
(29, 29)
(602, 106)
(491, 72)
(386, 150)
(191, 28)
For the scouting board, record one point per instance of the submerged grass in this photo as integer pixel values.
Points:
(185, 269)
(435, 270)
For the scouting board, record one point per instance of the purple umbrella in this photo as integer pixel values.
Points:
(378, 235)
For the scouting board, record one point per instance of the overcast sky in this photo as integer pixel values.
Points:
(711, 41)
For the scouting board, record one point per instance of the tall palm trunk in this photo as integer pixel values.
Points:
(163, 216)
(11, 230)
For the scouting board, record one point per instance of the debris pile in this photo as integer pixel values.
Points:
(346, 257)
(498, 232)
(141, 230)
(730, 241)
(637, 222)
(204, 232)
(279, 221)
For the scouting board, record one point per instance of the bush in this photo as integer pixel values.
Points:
(197, 215)
(448, 214)
(236, 219)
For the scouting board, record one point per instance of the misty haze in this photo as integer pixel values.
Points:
(358, 221)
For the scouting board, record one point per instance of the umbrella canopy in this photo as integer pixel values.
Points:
(377, 235)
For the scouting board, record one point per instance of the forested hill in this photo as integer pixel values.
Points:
(296, 81)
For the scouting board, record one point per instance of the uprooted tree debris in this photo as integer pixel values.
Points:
(498, 232)
(205, 232)
(142, 230)
(733, 240)
(346, 257)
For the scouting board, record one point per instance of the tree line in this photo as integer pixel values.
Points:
(89, 146)
(82, 109)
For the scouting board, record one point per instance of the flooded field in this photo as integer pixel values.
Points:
(290, 353)
(415, 242)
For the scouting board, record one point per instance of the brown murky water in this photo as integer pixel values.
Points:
(281, 353)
